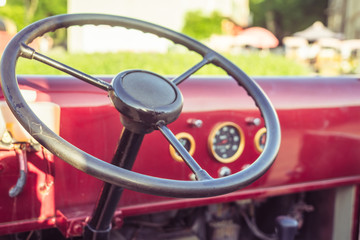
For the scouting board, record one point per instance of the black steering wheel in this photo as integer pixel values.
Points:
(141, 110)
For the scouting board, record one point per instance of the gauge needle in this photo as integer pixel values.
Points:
(225, 141)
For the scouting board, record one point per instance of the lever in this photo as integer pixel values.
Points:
(21, 154)
(286, 227)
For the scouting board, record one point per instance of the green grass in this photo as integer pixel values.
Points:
(172, 63)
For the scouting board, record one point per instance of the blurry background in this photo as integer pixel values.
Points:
(264, 37)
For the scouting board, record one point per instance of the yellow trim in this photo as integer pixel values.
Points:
(257, 137)
(187, 136)
(241, 143)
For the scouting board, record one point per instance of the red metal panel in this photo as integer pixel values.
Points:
(320, 138)
(34, 207)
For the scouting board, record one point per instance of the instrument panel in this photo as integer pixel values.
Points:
(226, 142)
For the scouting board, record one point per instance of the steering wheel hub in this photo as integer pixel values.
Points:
(144, 98)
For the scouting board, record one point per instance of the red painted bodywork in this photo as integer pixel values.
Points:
(319, 118)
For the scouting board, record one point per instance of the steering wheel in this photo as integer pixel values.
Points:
(146, 102)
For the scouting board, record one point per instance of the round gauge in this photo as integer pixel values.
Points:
(187, 141)
(260, 139)
(226, 142)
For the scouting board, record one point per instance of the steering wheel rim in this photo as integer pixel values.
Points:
(110, 173)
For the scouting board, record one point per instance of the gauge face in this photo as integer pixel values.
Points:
(260, 139)
(226, 142)
(187, 141)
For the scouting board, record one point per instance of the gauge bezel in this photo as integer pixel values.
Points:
(187, 136)
(257, 137)
(241, 146)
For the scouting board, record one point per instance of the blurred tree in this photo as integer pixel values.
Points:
(49, 8)
(200, 25)
(14, 10)
(284, 17)
(31, 7)
(24, 12)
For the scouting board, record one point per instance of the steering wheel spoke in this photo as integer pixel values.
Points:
(209, 57)
(30, 53)
(200, 173)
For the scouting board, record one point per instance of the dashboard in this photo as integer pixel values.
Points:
(220, 126)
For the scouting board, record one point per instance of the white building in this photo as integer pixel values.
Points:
(168, 13)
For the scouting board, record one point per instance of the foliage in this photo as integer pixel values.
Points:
(285, 17)
(14, 12)
(50, 8)
(24, 12)
(173, 63)
(201, 26)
